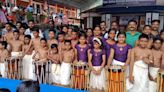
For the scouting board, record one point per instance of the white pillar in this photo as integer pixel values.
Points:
(89, 22)
(161, 22)
(108, 19)
(151, 16)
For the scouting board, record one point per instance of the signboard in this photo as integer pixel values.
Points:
(130, 2)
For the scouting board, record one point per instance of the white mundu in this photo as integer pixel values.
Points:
(55, 68)
(141, 80)
(65, 73)
(152, 84)
(2, 69)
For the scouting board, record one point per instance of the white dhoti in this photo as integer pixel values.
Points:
(55, 68)
(2, 69)
(65, 73)
(16, 54)
(141, 80)
(28, 68)
(98, 81)
(152, 84)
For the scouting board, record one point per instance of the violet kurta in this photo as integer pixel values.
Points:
(121, 53)
(82, 53)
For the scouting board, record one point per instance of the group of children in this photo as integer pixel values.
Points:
(142, 64)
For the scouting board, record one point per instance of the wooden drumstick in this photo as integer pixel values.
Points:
(158, 81)
(117, 82)
(112, 80)
(71, 83)
(161, 82)
(107, 82)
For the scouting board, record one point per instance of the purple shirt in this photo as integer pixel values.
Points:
(97, 57)
(82, 53)
(121, 55)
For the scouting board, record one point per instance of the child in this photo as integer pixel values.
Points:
(121, 53)
(3, 55)
(61, 42)
(42, 52)
(21, 32)
(51, 39)
(67, 58)
(54, 56)
(27, 59)
(16, 45)
(141, 57)
(96, 62)
(81, 49)
(157, 61)
(89, 36)
(109, 43)
(74, 38)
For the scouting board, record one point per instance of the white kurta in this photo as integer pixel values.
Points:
(98, 81)
(152, 84)
(65, 73)
(141, 80)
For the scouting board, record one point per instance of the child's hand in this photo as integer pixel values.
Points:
(131, 79)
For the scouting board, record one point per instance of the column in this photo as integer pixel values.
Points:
(151, 16)
(89, 22)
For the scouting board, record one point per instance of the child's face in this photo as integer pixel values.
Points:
(67, 45)
(16, 35)
(61, 38)
(43, 43)
(82, 40)
(54, 50)
(21, 30)
(89, 32)
(96, 45)
(74, 35)
(51, 35)
(31, 24)
(18, 25)
(157, 44)
(36, 34)
(97, 31)
(112, 34)
(69, 31)
(26, 40)
(147, 30)
(8, 27)
(162, 36)
(65, 29)
(143, 42)
(121, 38)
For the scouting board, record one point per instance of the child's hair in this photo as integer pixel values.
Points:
(82, 35)
(121, 33)
(22, 26)
(60, 33)
(27, 36)
(16, 31)
(35, 29)
(52, 30)
(67, 41)
(100, 41)
(157, 38)
(4, 44)
(31, 21)
(143, 36)
(54, 46)
(28, 86)
(4, 90)
(111, 30)
(43, 39)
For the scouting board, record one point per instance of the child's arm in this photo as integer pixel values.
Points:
(90, 60)
(75, 61)
(34, 56)
(162, 62)
(131, 66)
(110, 59)
(128, 58)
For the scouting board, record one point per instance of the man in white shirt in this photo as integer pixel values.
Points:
(29, 32)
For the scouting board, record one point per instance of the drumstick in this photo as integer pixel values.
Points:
(124, 86)
(158, 79)
(106, 82)
(109, 78)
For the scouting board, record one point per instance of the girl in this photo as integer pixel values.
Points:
(81, 49)
(109, 43)
(96, 62)
(54, 56)
(121, 51)
(89, 36)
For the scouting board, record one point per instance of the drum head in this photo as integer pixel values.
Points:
(115, 69)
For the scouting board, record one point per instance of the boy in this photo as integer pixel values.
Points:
(54, 57)
(61, 42)
(3, 55)
(51, 39)
(74, 39)
(141, 57)
(155, 66)
(8, 32)
(67, 58)
(27, 59)
(42, 52)
(15, 45)
(21, 32)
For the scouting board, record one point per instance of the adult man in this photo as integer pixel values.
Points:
(155, 27)
(132, 35)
